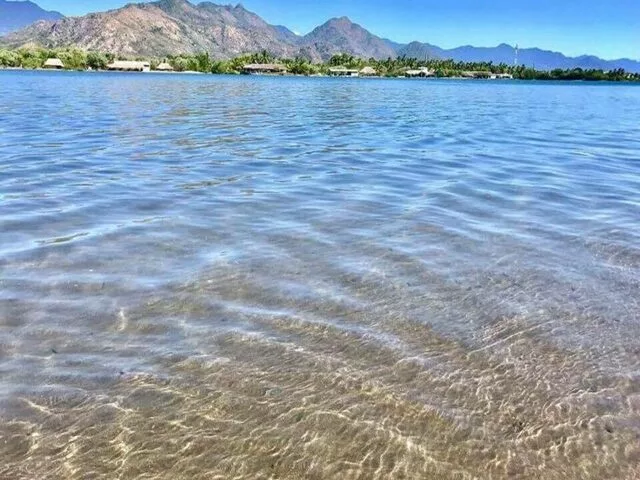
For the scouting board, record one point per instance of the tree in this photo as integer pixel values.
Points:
(73, 58)
(220, 67)
(9, 58)
(97, 61)
(202, 63)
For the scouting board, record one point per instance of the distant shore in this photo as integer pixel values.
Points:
(292, 75)
(263, 63)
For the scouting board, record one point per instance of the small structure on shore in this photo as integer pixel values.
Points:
(424, 72)
(478, 74)
(129, 66)
(368, 72)
(164, 67)
(501, 76)
(264, 69)
(343, 72)
(53, 64)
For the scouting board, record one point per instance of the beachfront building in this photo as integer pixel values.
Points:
(129, 66)
(53, 64)
(164, 67)
(343, 72)
(501, 76)
(424, 72)
(368, 72)
(480, 74)
(264, 69)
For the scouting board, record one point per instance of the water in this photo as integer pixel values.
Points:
(219, 277)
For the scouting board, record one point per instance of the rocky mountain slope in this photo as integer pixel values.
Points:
(340, 35)
(162, 28)
(170, 27)
(16, 15)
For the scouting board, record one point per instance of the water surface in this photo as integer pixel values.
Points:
(278, 278)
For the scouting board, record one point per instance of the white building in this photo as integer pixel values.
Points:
(129, 66)
(424, 72)
(343, 72)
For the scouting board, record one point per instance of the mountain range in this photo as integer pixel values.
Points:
(171, 27)
(17, 15)
(531, 57)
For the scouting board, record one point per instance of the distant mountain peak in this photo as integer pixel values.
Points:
(285, 29)
(15, 15)
(287, 35)
(340, 22)
(170, 3)
(341, 35)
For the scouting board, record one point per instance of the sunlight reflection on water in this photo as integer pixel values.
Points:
(217, 277)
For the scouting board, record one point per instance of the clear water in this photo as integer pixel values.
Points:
(216, 277)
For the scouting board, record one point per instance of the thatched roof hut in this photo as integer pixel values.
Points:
(422, 73)
(476, 74)
(368, 72)
(54, 63)
(129, 66)
(164, 67)
(343, 72)
(501, 76)
(263, 68)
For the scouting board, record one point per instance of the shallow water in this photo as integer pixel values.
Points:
(253, 278)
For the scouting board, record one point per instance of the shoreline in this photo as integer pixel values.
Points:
(265, 64)
(290, 75)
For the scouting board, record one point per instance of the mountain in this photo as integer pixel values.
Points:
(531, 57)
(287, 35)
(172, 27)
(421, 51)
(341, 35)
(393, 45)
(17, 15)
(164, 27)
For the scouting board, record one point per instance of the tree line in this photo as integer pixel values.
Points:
(77, 59)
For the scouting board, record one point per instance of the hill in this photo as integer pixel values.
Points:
(165, 27)
(531, 57)
(341, 35)
(17, 15)
(172, 27)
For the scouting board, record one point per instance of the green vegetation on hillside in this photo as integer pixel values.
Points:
(76, 59)
(73, 58)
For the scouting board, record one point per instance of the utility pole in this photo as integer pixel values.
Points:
(515, 60)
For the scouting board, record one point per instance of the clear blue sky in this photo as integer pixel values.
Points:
(607, 28)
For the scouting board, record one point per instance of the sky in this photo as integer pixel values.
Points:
(607, 28)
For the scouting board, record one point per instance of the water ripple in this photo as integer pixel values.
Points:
(219, 277)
